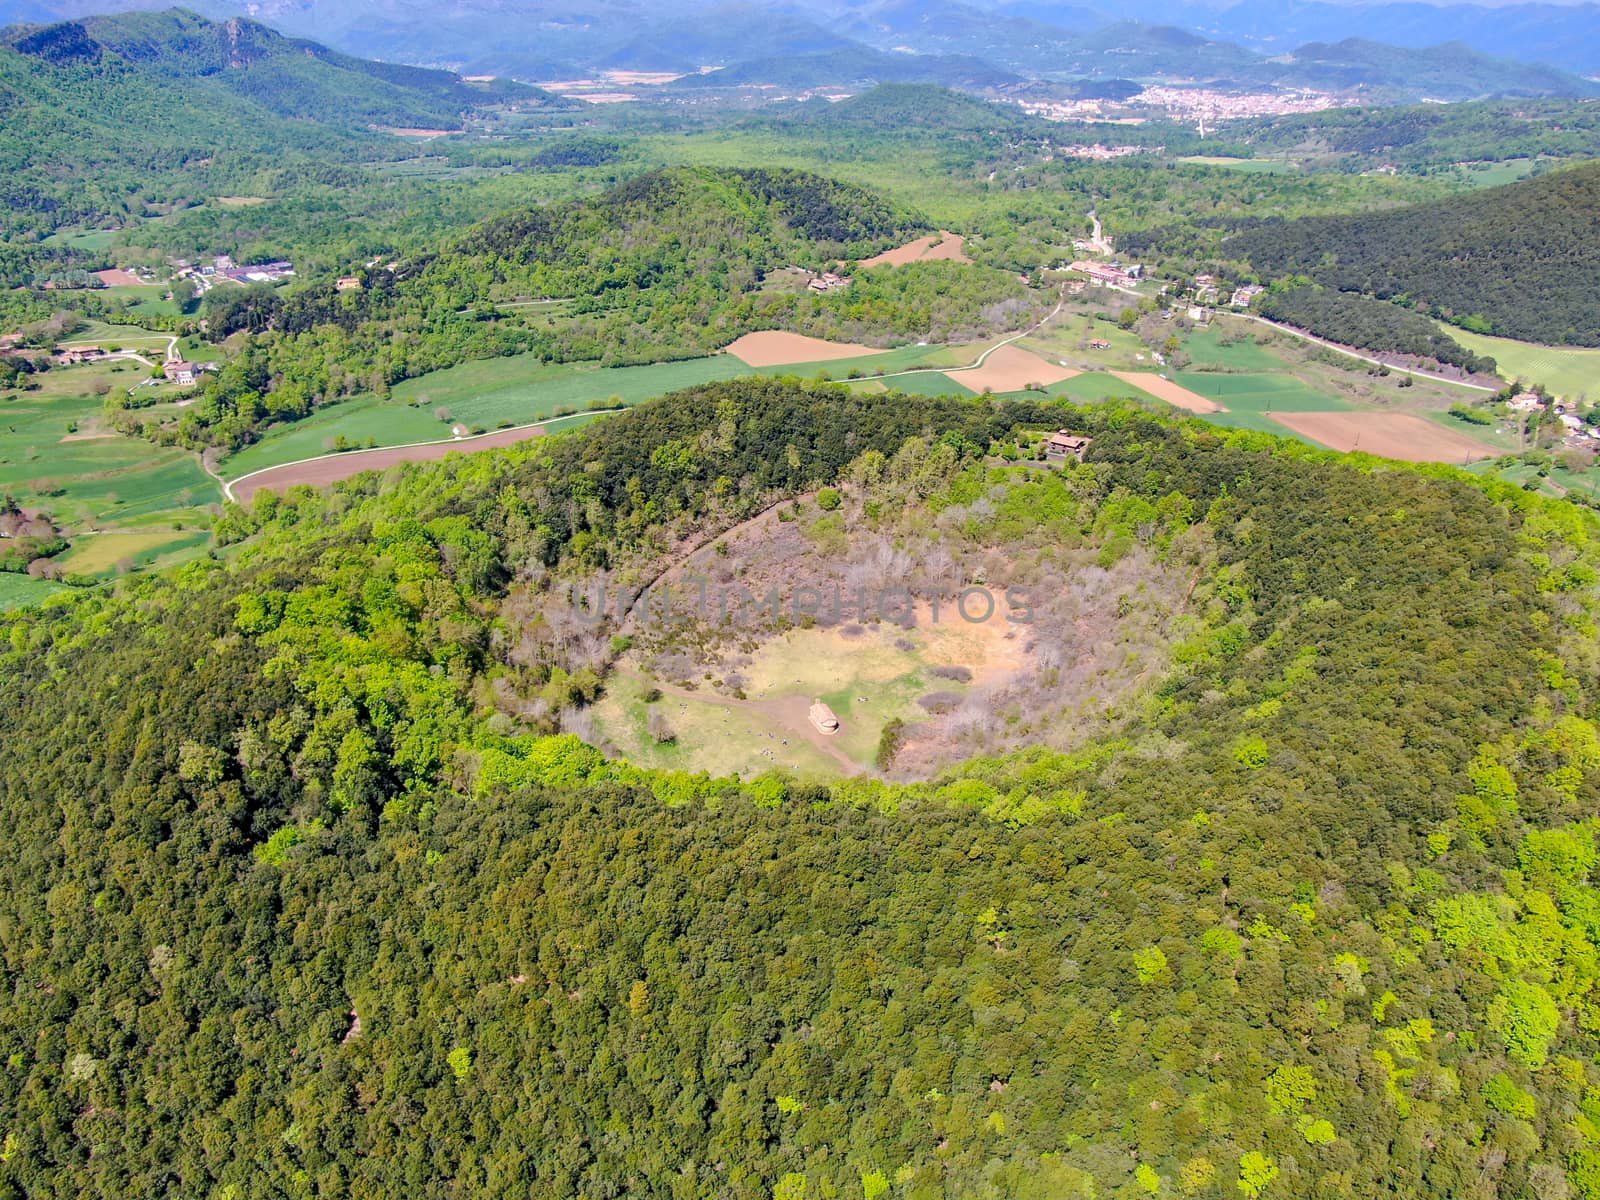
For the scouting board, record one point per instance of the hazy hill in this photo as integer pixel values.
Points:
(724, 34)
(198, 64)
(1563, 35)
(1521, 260)
(857, 66)
(105, 115)
(1453, 71)
(1429, 134)
(909, 107)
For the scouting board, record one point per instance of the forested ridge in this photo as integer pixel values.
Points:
(670, 264)
(1318, 922)
(1355, 320)
(144, 108)
(1521, 261)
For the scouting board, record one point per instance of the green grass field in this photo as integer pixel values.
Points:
(131, 337)
(1208, 351)
(1254, 166)
(89, 480)
(1259, 394)
(19, 591)
(1568, 372)
(107, 553)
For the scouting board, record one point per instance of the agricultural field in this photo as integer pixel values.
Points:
(510, 392)
(19, 591)
(1252, 166)
(1568, 372)
(105, 554)
(55, 450)
(1258, 393)
(1220, 348)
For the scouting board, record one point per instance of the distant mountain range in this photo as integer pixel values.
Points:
(106, 115)
(1387, 52)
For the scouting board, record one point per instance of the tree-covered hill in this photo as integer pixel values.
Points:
(1433, 135)
(1521, 261)
(672, 264)
(1451, 71)
(290, 909)
(104, 116)
(913, 108)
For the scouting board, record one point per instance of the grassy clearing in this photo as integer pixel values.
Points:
(1568, 372)
(1493, 174)
(107, 554)
(1254, 166)
(89, 480)
(19, 591)
(91, 241)
(867, 680)
(1208, 352)
(131, 337)
(1067, 341)
(521, 390)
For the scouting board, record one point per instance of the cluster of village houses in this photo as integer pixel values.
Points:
(1576, 432)
(222, 269)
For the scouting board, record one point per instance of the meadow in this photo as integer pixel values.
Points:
(19, 591)
(1568, 372)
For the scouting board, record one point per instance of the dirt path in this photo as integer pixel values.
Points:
(1172, 393)
(1356, 354)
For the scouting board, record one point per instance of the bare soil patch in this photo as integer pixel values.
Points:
(320, 472)
(1011, 369)
(1389, 435)
(772, 348)
(936, 247)
(118, 278)
(1165, 389)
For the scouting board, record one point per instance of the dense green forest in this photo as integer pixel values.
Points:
(294, 907)
(1520, 261)
(1434, 135)
(111, 117)
(670, 264)
(1367, 324)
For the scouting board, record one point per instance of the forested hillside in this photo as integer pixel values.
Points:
(1521, 261)
(291, 908)
(105, 116)
(1435, 134)
(1367, 324)
(668, 265)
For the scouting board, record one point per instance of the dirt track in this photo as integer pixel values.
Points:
(1389, 435)
(1165, 389)
(774, 348)
(951, 248)
(1010, 369)
(320, 472)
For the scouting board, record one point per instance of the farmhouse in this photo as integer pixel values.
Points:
(1114, 275)
(1242, 296)
(1062, 445)
(349, 283)
(184, 374)
(1099, 344)
(1526, 402)
(71, 356)
(828, 282)
(822, 717)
